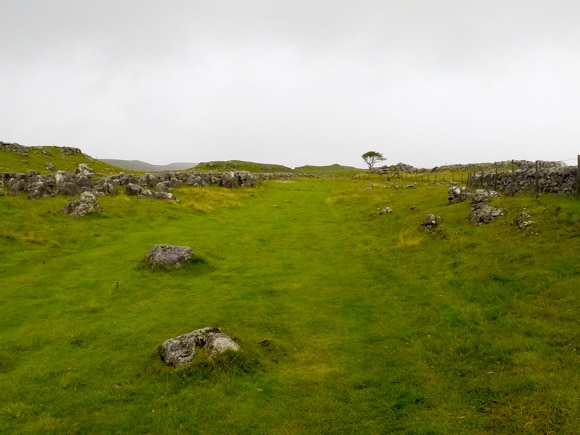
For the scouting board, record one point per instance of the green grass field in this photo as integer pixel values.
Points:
(374, 326)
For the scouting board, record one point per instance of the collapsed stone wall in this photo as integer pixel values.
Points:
(558, 180)
(84, 179)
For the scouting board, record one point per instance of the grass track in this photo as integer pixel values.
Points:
(376, 327)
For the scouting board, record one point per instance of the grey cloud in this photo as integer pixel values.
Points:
(293, 82)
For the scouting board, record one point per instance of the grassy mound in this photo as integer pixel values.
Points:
(38, 157)
(239, 165)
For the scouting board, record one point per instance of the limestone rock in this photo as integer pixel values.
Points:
(483, 213)
(482, 195)
(85, 170)
(133, 189)
(180, 351)
(457, 194)
(80, 207)
(169, 256)
(430, 222)
(523, 220)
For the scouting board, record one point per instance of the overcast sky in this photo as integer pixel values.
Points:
(425, 82)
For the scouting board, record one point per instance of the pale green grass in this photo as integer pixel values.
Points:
(375, 326)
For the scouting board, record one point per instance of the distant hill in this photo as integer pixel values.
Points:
(240, 165)
(335, 169)
(139, 166)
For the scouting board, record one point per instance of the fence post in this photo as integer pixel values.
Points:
(537, 176)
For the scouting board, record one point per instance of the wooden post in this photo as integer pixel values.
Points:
(537, 176)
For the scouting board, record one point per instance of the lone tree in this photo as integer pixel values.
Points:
(372, 157)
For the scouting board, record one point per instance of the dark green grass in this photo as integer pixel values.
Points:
(374, 326)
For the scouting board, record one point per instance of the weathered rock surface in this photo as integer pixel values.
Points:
(523, 220)
(457, 194)
(180, 351)
(169, 256)
(80, 207)
(430, 222)
(481, 211)
(482, 195)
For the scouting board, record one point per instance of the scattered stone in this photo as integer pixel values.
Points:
(457, 194)
(80, 207)
(169, 256)
(523, 220)
(482, 195)
(180, 351)
(411, 185)
(70, 151)
(49, 167)
(17, 186)
(430, 222)
(133, 189)
(483, 213)
(386, 210)
(84, 170)
(161, 187)
(70, 189)
(264, 343)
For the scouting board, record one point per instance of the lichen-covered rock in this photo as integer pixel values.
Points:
(482, 195)
(80, 207)
(457, 194)
(169, 256)
(430, 222)
(133, 189)
(483, 213)
(523, 220)
(180, 351)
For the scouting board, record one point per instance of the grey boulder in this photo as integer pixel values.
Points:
(180, 351)
(169, 256)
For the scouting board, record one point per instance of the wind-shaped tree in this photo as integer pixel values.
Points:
(372, 157)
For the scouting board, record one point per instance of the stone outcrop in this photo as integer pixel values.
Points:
(180, 351)
(85, 204)
(169, 256)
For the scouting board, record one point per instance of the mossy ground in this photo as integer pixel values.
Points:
(374, 326)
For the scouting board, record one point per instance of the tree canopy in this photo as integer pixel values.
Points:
(372, 157)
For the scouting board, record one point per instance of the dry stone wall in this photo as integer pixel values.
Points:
(68, 184)
(559, 180)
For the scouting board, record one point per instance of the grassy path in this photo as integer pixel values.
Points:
(375, 327)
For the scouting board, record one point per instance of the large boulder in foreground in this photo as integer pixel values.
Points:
(180, 351)
(169, 256)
